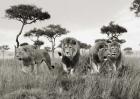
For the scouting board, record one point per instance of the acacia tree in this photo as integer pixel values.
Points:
(51, 32)
(4, 48)
(135, 7)
(38, 44)
(34, 36)
(128, 50)
(113, 31)
(26, 14)
(98, 40)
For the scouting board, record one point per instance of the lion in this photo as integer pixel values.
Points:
(70, 54)
(30, 56)
(98, 55)
(116, 55)
(106, 56)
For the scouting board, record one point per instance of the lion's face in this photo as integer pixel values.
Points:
(21, 53)
(103, 54)
(115, 50)
(101, 50)
(70, 47)
(70, 50)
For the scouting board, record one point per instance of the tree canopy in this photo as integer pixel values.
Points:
(38, 43)
(54, 31)
(4, 47)
(51, 32)
(113, 31)
(26, 14)
(98, 40)
(34, 36)
(135, 7)
(127, 48)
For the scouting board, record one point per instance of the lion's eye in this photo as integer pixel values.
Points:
(70, 47)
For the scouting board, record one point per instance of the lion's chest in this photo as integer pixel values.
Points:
(69, 63)
(72, 63)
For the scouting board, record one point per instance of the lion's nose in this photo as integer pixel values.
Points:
(67, 52)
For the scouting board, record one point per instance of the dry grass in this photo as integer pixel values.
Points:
(47, 85)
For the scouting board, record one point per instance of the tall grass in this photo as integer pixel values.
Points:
(56, 84)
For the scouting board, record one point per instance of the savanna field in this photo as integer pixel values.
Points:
(14, 84)
(70, 31)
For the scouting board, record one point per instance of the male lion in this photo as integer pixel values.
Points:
(116, 55)
(31, 57)
(98, 55)
(70, 54)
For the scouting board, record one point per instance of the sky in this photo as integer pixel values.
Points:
(83, 18)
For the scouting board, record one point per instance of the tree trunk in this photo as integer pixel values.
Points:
(17, 37)
(52, 50)
(53, 45)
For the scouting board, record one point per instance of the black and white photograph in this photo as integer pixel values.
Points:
(70, 49)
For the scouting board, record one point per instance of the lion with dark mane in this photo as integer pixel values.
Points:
(98, 55)
(30, 56)
(106, 56)
(116, 55)
(70, 54)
